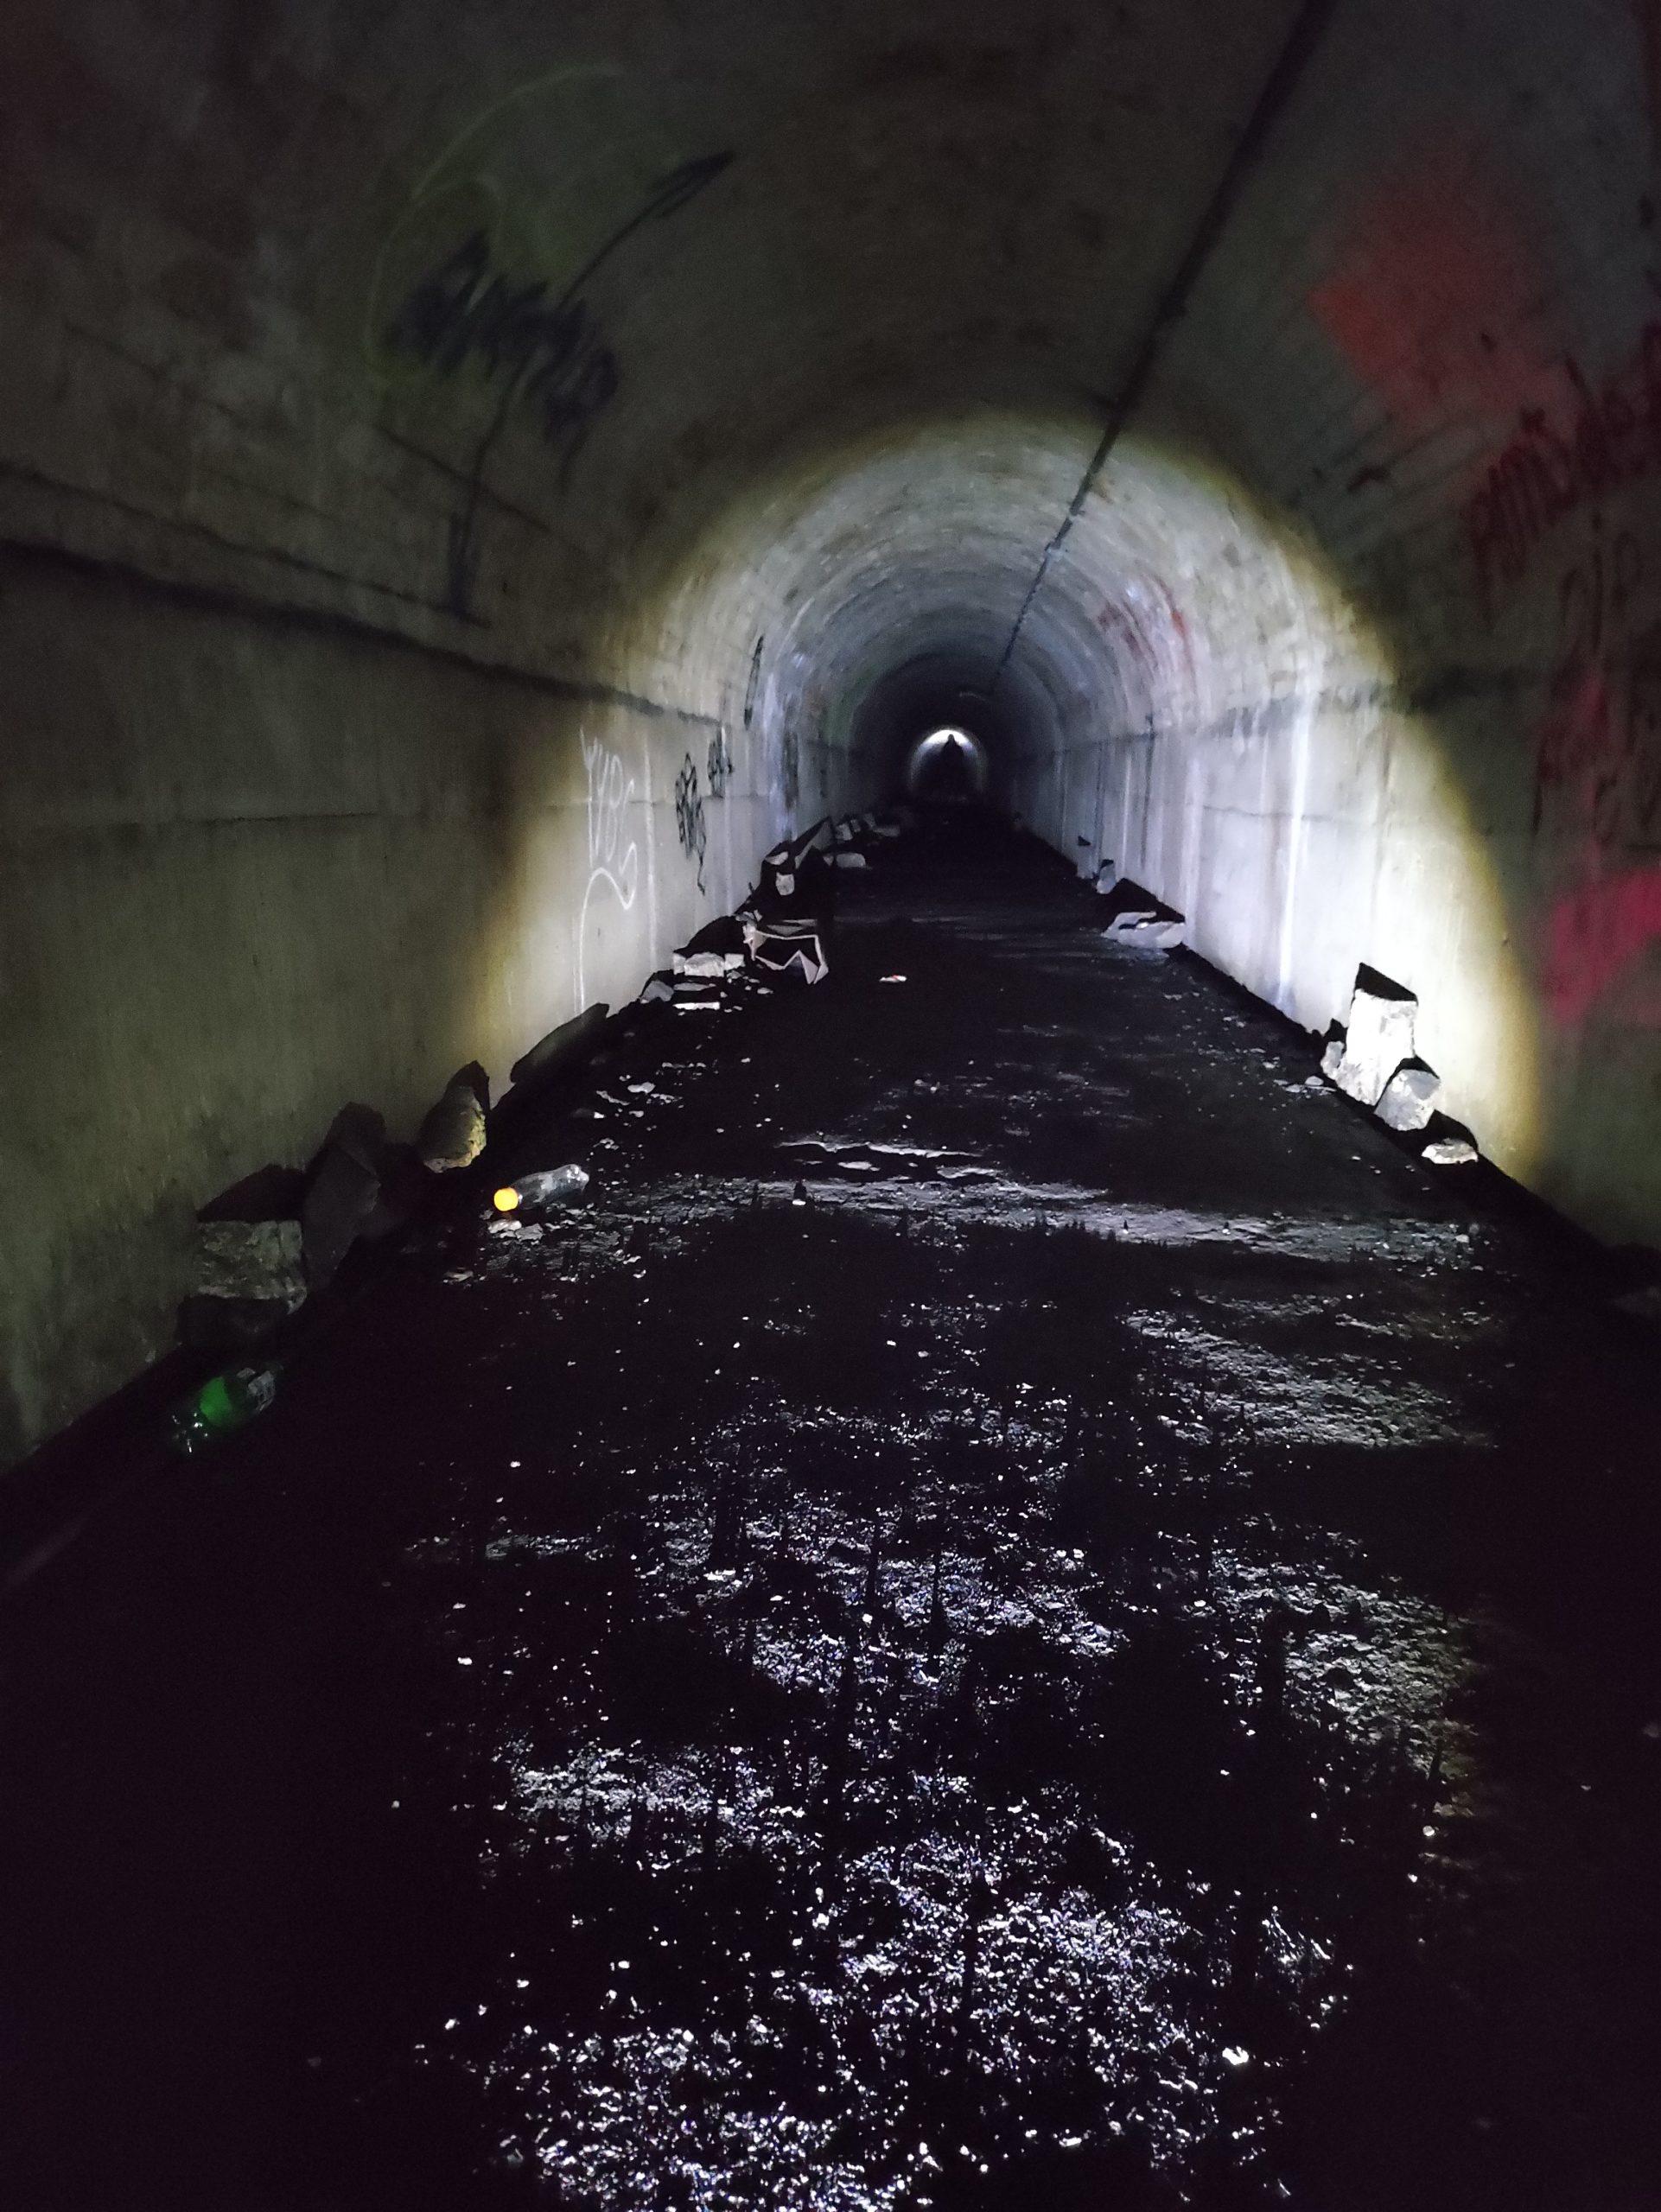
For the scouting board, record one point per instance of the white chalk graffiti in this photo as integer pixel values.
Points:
(614, 865)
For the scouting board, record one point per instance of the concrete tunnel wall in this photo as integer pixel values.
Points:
(469, 481)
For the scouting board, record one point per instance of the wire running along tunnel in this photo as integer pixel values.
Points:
(474, 481)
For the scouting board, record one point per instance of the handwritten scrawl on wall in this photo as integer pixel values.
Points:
(614, 856)
(1566, 474)
(718, 764)
(478, 304)
(690, 823)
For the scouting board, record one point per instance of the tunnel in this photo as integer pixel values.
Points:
(1017, 636)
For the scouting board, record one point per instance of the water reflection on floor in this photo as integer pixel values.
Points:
(1098, 1660)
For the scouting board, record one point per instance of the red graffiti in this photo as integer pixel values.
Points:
(1597, 766)
(1434, 262)
(1609, 437)
(1596, 936)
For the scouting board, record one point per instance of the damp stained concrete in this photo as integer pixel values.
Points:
(1106, 1657)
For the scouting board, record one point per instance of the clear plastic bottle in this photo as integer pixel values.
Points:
(550, 1186)
(222, 1405)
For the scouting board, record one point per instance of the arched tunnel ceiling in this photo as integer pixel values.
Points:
(876, 220)
(1254, 405)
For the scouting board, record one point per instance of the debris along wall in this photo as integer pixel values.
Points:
(1374, 573)
(313, 786)
(372, 398)
(465, 475)
(256, 868)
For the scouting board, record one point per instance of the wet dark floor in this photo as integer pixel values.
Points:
(1107, 1659)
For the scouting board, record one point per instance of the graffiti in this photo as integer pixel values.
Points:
(719, 765)
(469, 312)
(1549, 470)
(689, 823)
(1597, 769)
(1429, 265)
(614, 858)
(754, 683)
(538, 348)
(1597, 935)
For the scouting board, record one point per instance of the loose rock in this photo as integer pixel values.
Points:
(1380, 1037)
(1409, 1098)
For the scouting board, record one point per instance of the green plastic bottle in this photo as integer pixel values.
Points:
(224, 1404)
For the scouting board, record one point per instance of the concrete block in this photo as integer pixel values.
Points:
(453, 1133)
(344, 1191)
(249, 1259)
(1378, 1039)
(1409, 1098)
(1450, 1151)
(565, 1046)
(1146, 932)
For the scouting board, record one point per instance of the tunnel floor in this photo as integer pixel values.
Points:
(1108, 1658)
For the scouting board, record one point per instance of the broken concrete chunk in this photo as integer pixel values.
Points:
(717, 950)
(1380, 1037)
(1145, 932)
(708, 964)
(1450, 1151)
(249, 1259)
(657, 990)
(1332, 1058)
(571, 1042)
(846, 858)
(344, 1190)
(1409, 1098)
(453, 1133)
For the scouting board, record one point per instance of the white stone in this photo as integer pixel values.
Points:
(1450, 1151)
(1409, 1098)
(1332, 1059)
(1380, 1037)
(1146, 933)
(708, 963)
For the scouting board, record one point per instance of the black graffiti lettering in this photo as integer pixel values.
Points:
(754, 683)
(689, 823)
(544, 352)
(719, 765)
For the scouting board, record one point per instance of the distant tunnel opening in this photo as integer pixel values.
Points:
(947, 767)
(567, 467)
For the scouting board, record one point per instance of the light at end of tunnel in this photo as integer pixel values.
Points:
(947, 764)
(506, 1200)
